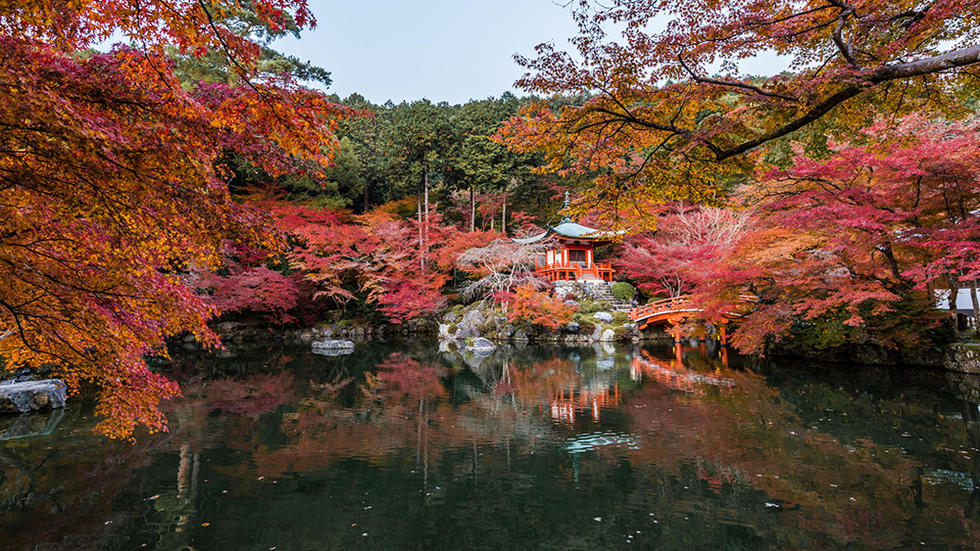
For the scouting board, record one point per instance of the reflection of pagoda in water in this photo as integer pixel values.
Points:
(565, 405)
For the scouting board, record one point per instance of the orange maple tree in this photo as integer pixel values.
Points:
(113, 182)
(539, 307)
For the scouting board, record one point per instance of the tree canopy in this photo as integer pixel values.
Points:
(113, 180)
(670, 115)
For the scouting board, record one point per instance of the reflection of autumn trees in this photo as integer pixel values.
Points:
(404, 405)
(840, 492)
(712, 454)
(252, 396)
(401, 379)
(724, 431)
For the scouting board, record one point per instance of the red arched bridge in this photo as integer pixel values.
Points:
(674, 310)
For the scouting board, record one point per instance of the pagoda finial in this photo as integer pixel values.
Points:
(568, 204)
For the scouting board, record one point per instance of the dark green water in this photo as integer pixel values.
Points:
(404, 447)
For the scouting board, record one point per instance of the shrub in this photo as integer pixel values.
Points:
(623, 291)
(539, 308)
(587, 306)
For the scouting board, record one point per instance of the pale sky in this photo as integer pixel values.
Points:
(451, 50)
(443, 50)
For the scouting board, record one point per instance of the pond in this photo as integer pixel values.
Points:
(404, 446)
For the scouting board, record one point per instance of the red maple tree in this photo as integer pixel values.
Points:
(113, 182)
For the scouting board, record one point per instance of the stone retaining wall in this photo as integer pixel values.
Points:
(963, 357)
(238, 334)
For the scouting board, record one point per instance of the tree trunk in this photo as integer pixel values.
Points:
(954, 290)
(418, 205)
(426, 177)
(472, 210)
(503, 217)
(365, 197)
(425, 251)
(976, 304)
(954, 284)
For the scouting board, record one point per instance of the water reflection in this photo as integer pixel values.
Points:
(404, 445)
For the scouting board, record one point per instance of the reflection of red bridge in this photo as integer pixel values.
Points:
(676, 376)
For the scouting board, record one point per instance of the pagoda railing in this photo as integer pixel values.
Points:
(570, 270)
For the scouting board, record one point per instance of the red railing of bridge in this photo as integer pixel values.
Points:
(661, 307)
(676, 306)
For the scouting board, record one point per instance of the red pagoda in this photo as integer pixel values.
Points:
(573, 258)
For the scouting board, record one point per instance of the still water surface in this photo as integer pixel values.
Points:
(401, 446)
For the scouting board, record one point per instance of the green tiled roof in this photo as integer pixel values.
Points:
(570, 230)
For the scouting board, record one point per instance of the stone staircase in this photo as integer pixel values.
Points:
(600, 290)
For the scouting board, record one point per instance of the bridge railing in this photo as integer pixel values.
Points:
(678, 304)
(658, 306)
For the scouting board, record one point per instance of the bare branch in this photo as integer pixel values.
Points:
(731, 84)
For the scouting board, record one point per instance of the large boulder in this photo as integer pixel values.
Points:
(572, 327)
(562, 288)
(607, 336)
(466, 331)
(332, 348)
(604, 317)
(473, 317)
(28, 396)
(469, 325)
(450, 317)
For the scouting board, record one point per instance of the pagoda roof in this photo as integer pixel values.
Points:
(570, 230)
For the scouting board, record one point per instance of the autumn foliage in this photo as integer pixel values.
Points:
(688, 241)
(113, 183)
(849, 248)
(399, 266)
(530, 305)
(668, 112)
